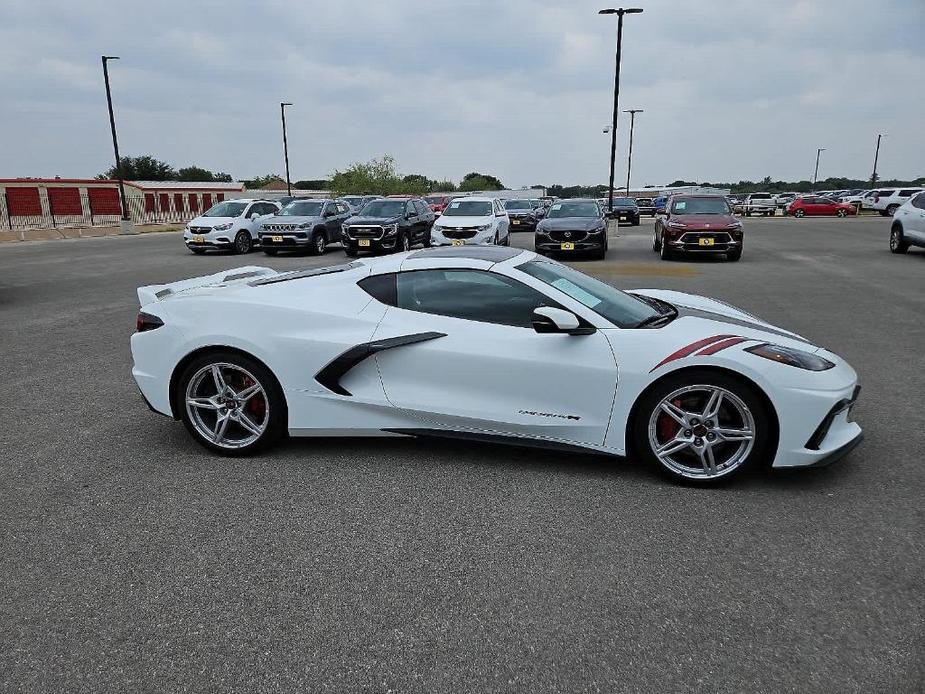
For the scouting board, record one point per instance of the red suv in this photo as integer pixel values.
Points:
(438, 203)
(698, 224)
(812, 205)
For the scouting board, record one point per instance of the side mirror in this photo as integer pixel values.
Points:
(254, 215)
(547, 319)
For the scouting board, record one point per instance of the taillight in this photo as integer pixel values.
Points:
(145, 322)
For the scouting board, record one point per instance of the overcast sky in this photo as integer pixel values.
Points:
(517, 88)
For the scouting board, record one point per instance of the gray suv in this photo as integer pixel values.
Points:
(310, 224)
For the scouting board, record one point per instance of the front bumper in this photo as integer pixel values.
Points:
(481, 238)
(591, 242)
(210, 241)
(284, 240)
(523, 224)
(626, 217)
(691, 242)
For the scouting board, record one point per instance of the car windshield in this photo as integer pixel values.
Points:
(226, 209)
(618, 307)
(302, 209)
(643, 201)
(574, 209)
(468, 208)
(699, 206)
(384, 208)
(434, 199)
(353, 200)
(518, 205)
(623, 202)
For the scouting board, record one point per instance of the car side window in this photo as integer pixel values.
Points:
(473, 295)
(907, 193)
(919, 201)
(409, 208)
(422, 208)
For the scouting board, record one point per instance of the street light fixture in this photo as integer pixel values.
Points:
(115, 141)
(616, 89)
(819, 151)
(629, 158)
(873, 176)
(282, 113)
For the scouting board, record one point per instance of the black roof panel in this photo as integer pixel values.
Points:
(492, 254)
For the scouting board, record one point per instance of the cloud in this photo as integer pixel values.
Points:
(520, 89)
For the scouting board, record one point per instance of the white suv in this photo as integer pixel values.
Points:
(908, 227)
(472, 221)
(229, 225)
(887, 201)
(759, 203)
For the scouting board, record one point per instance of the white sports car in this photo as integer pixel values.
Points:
(488, 343)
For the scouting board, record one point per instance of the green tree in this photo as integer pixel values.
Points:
(142, 168)
(313, 184)
(197, 173)
(477, 181)
(375, 177)
(446, 186)
(261, 181)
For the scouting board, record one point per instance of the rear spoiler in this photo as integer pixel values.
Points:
(158, 292)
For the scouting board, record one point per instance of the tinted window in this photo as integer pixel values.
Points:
(226, 209)
(919, 201)
(384, 208)
(421, 207)
(618, 307)
(297, 208)
(574, 209)
(409, 208)
(885, 193)
(469, 208)
(470, 295)
(381, 288)
(907, 193)
(760, 196)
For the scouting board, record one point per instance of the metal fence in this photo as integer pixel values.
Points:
(94, 209)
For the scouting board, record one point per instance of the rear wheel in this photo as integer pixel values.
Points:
(898, 243)
(656, 244)
(243, 243)
(701, 427)
(840, 213)
(231, 404)
(799, 213)
(891, 210)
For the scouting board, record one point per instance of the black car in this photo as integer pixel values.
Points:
(625, 210)
(572, 226)
(646, 206)
(523, 215)
(388, 224)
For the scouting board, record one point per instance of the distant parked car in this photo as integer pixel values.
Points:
(573, 226)
(759, 203)
(437, 203)
(539, 207)
(646, 206)
(887, 201)
(784, 199)
(390, 224)
(625, 210)
(815, 206)
(304, 224)
(230, 225)
(354, 202)
(523, 215)
(659, 204)
(908, 227)
(473, 221)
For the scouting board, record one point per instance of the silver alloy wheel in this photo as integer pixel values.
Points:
(227, 405)
(894, 239)
(242, 242)
(320, 243)
(405, 242)
(701, 431)
(841, 213)
(799, 213)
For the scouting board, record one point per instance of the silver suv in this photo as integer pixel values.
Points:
(310, 224)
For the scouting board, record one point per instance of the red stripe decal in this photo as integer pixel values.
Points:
(690, 349)
(721, 345)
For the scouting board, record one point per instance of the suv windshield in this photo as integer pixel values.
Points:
(468, 208)
(574, 209)
(384, 208)
(624, 202)
(618, 307)
(699, 206)
(434, 199)
(518, 205)
(226, 209)
(302, 209)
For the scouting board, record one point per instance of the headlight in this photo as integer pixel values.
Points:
(734, 225)
(304, 225)
(484, 227)
(437, 228)
(677, 225)
(791, 357)
(187, 227)
(598, 230)
(390, 229)
(223, 227)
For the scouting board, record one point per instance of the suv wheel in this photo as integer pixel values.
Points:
(898, 243)
(656, 244)
(405, 242)
(319, 243)
(891, 210)
(243, 242)
(666, 253)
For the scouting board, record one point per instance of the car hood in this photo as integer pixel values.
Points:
(461, 221)
(287, 219)
(360, 220)
(701, 314)
(572, 223)
(710, 221)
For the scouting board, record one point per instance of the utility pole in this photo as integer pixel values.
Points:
(282, 113)
(115, 140)
(629, 158)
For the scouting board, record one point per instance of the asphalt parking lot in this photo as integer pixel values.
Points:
(134, 561)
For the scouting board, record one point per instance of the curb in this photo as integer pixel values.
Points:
(61, 233)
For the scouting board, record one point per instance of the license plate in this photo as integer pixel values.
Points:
(276, 239)
(515, 221)
(706, 242)
(198, 239)
(458, 242)
(364, 242)
(567, 246)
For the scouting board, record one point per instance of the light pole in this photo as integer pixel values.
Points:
(629, 158)
(819, 151)
(873, 176)
(282, 113)
(616, 90)
(115, 141)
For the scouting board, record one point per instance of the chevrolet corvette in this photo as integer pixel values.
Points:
(494, 344)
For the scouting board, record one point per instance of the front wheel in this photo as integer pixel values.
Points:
(665, 252)
(231, 404)
(319, 243)
(734, 255)
(656, 244)
(891, 210)
(898, 243)
(799, 213)
(840, 213)
(701, 427)
(243, 243)
(405, 242)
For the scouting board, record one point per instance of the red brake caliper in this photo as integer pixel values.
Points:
(257, 406)
(667, 425)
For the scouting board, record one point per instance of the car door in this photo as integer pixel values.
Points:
(413, 221)
(824, 207)
(481, 367)
(330, 215)
(914, 220)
